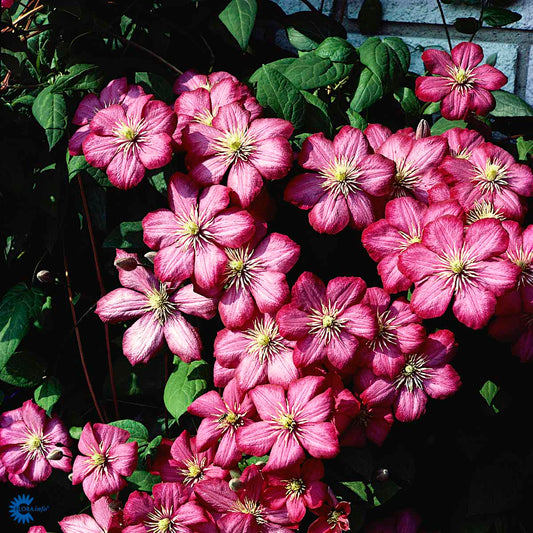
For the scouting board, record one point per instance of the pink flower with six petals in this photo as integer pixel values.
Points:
(105, 519)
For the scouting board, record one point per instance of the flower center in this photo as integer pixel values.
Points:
(286, 421)
(462, 79)
(413, 373)
(194, 470)
(159, 303)
(158, 521)
(235, 146)
(204, 117)
(240, 268)
(325, 323)
(341, 176)
(492, 178)
(363, 416)
(164, 525)
(294, 487)
(250, 507)
(191, 227)
(385, 335)
(98, 459)
(265, 340)
(457, 266)
(458, 270)
(334, 516)
(236, 265)
(405, 179)
(230, 419)
(481, 210)
(129, 135)
(33, 443)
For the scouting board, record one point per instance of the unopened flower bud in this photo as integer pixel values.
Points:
(114, 505)
(70, 477)
(382, 474)
(235, 484)
(45, 276)
(235, 473)
(423, 129)
(260, 464)
(150, 256)
(126, 263)
(55, 455)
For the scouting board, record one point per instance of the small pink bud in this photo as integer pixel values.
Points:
(423, 129)
(235, 484)
(150, 256)
(126, 263)
(55, 455)
(45, 276)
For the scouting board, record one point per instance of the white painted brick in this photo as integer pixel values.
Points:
(529, 86)
(426, 11)
(506, 61)
(293, 6)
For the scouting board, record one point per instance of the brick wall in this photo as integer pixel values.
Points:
(418, 22)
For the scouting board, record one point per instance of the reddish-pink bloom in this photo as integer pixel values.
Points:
(31, 444)
(254, 277)
(423, 372)
(326, 322)
(191, 236)
(167, 511)
(113, 93)
(462, 141)
(105, 519)
(246, 510)
(127, 139)
(399, 329)
(332, 516)
(181, 462)
(191, 80)
(490, 175)
(297, 488)
(416, 163)
(371, 421)
(107, 458)
(344, 176)
(459, 82)
(385, 240)
(157, 308)
(454, 261)
(377, 134)
(7, 3)
(258, 352)
(37, 529)
(406, 521)
(292, 422)
(223, 418)
(250, 149)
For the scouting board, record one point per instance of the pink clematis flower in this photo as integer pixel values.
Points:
(405, 520)
(386, 239)
(191, 236)
(399, 329)
(105, 519)
(326, 322)
(451, 261)
(127, 139)
(31, 444)
(259, 353)
(223, 418)
(517, 329)
(250, 149)
(343, 176)
(181, 462)
(167, 511)
(105, 461)
(292, 421)
(462, 141)
(423, 372)
(459, 82)
(332, 516)
(416, 163)
(254, 277)
(297, 488)
(157, 308)
(246, 510)
(113, 93)
(490, 175)
(191, 80)
(38, 529)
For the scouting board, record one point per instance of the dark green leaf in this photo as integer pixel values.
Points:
(430, 108)
(80, 77)
(356, 120)
(76, 164)
(75, 432)
(524, 148)
(159, 86)
(125, 235)
(489, 392)
(23, 369)
(159, 183)
(510, 105)
(142, 480)
(19, 307)
(137, 431)
(369, 90)
(408, 100)
(306, 29)
(491, 59)
(184, 385)
(444, 124)
(275, 91)
(50, 111)
(239, 18)
(497, 16)
(369, 18)
(337, 50)
(311, 71)
(468, 25)
(375, 494)
(316, 114)
(47, 394)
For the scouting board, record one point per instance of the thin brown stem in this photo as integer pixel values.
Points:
(78, 338)
(445, 25)
(480, 21)
(102, 293)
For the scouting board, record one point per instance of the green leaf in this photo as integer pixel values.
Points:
(467, 25)
(239, 18)
(497, 16)
(356, 120)
(430, 108)
(75, 165)
(19, 307)
(524, 148)
(275, 91)
(489, 392)
(159, 86)
(47, 394)
(316, 114)
(142, 480)
(306, 29)
(510, 105)
(444, 124)
(80, 77)
(337, 50)
(50, 111)
(126, 235)
(23, 369)
(75, 432)
(369, 18)
(369, 90)
(374, 494)
(184, 385)
(159, 183)
(137, 431)
(408, 100)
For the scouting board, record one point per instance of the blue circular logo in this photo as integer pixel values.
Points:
(19, 509)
